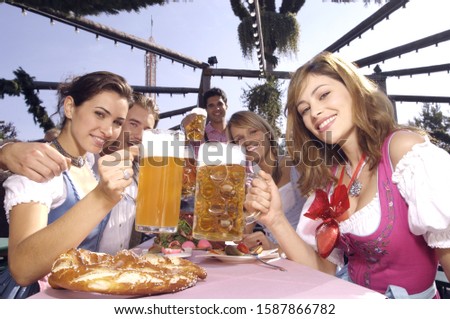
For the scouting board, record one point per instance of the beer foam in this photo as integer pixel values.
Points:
(215, 153)
(199, 111)
(164, 143)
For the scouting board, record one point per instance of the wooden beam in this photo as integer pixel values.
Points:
(176, 112)
(402, 49)
(369, 23)
(42, 85)
(419, 98)
(420, 70)
(115, 35)
(239, 73)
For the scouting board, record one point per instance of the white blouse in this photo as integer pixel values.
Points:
(117, 233)
(19, 189)
(426, 189)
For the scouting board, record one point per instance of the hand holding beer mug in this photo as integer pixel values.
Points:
(195, 128)
(250, 175)
(220, 192)
(160, 177)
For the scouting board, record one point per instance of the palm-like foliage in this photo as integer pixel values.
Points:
(265, 100)
(280, 30)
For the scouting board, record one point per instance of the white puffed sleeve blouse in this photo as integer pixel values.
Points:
(20, 189)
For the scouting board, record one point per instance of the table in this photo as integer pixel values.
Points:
(251, 281)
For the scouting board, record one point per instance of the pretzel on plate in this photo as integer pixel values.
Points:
(125, 273)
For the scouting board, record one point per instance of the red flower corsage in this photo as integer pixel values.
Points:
(327, 233)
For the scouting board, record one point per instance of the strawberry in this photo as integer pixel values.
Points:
(243, 248)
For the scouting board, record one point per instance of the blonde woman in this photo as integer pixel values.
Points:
(259, 139)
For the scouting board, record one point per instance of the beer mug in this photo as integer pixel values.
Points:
(250, 175)
(195, 129)
(220, 192)
(189, 172)
(160, 178)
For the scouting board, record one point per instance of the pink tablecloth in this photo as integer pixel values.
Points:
(251, 280)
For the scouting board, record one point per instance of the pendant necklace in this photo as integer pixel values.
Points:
(77, 161)
(355, 185)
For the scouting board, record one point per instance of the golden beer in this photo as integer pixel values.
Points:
(189, 177)
(160, 179)
(195, 130)
(219, 199)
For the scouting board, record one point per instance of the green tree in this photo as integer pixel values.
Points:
(7, 131)
(432, 120)
(92, 7)
(280, 32)
(24, 84)
(265, 100)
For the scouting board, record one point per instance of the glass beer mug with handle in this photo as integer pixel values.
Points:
(189, 173)
(160, 179)
(250, 217)
(189, 178)
(195, 129)
(220, 192)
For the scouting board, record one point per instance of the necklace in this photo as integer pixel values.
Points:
(355, 184)
(77, 161)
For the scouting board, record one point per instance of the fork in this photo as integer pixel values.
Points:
(269, 264)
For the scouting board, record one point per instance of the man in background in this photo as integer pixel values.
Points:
(215, 103)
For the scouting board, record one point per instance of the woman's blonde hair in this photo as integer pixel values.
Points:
(373, 117)
(253, 120)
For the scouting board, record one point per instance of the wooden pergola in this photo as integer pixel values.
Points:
(208, 72)
(380, 76)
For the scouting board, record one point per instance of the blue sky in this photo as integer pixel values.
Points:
(204, 28)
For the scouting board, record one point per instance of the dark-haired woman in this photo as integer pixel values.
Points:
(70, 210)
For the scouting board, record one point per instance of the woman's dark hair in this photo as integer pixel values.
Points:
(83, 88)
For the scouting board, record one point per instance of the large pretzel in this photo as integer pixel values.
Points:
(123, 274)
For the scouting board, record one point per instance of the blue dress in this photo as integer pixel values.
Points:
(9, 289)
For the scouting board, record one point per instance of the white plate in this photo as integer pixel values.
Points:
(265, 254)
(184, 254)
(180, 255)
(231, 259)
